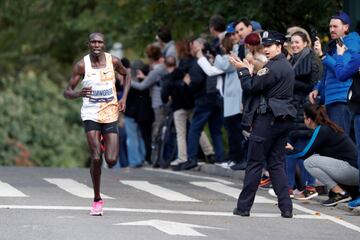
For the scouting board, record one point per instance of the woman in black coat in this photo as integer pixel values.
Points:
(307, 68)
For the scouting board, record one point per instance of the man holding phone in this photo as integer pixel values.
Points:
(332, 91)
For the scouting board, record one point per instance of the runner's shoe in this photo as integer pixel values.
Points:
(97, 208)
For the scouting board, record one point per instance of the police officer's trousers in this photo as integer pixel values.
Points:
(266, 144)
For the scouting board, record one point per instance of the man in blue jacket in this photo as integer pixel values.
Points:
(351, 69)
(332, 91)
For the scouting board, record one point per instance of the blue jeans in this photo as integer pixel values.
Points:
(339, 113)
(134, 143)
(357, 138)
(211, 113)
(122, 161)
(298, 143)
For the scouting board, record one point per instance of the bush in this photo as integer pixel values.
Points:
(37, 125)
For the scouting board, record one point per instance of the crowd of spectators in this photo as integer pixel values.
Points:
(195, 80)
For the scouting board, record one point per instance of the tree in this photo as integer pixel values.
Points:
(41, 40)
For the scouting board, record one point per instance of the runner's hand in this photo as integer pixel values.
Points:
(86, 92)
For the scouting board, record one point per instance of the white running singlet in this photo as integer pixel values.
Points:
(102, 105)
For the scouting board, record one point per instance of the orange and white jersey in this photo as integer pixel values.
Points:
(102, 105)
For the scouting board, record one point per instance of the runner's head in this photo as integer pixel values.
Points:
(96, 43)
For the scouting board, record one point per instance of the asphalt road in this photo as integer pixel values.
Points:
(49, 203)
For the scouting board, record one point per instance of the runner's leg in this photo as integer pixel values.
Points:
(93, 138)
(111, 148)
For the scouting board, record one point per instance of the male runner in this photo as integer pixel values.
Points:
(100, 108)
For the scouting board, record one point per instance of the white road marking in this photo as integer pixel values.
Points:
(230, 191)
(159, 191)
(6, 190)
(190, 175)
(171, 228)
(313, 214)
(156, 211)
(75, 188)
(62, 217)
(328, 217)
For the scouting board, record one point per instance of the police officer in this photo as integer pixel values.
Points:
(270, 113)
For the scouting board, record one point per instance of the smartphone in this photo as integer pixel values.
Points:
(340, 41)
(313, 35)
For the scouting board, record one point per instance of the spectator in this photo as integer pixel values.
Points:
(255, 55)
(307, 70)
(333, 92)
(182, 104)
(208, 109)
(289, 32)
(232, 106)
(232, 96)
(166, 43)
(330, 155)
(242, 29)
(152, 82)
(140, 107)
(123, 160)
(217, 27)
(134, 142)
(344, 72)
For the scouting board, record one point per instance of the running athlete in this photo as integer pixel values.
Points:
(100, 108)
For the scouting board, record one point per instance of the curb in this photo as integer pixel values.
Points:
(219, 171)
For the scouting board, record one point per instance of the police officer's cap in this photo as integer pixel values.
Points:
(272, 37)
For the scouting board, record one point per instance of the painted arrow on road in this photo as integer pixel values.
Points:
(171, 228)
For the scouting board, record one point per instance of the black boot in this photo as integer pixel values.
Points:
(238, 212)
(287, 214)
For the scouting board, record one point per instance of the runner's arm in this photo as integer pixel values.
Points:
(77, 74)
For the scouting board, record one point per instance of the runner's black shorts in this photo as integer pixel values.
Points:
(104, 128)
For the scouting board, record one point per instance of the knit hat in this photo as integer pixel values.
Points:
(343, 17)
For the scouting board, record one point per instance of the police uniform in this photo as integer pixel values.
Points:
(271, 111)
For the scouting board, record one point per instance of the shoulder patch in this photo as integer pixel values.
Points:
(263, 71)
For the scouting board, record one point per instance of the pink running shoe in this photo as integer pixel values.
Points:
(97, 208)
